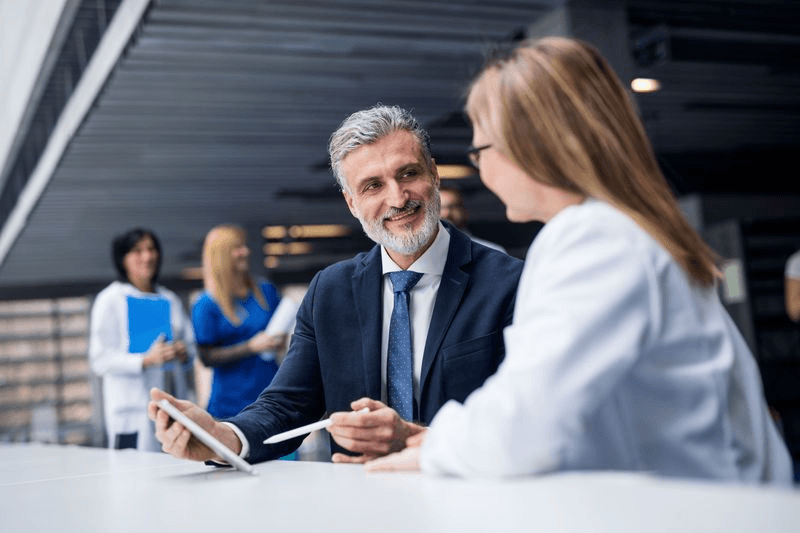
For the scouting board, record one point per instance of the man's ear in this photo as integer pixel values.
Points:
(349, 200)
(435, 172)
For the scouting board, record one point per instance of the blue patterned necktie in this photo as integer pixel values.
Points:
(400, 364)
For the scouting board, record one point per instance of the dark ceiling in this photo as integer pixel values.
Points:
(220, 111)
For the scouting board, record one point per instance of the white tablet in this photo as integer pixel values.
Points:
(206, 438)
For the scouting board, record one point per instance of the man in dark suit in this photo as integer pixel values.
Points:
(340, 352)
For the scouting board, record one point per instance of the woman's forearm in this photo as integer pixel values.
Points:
(220, 355)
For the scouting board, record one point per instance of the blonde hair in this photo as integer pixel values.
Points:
(218, 269)
(558, 111)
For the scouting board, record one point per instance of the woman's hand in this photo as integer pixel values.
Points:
(181, 353)
(406, 460)
(161, 352)
(263, 342)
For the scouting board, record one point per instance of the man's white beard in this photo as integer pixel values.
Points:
(409, 242)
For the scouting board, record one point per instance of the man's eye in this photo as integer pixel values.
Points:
(371, 186)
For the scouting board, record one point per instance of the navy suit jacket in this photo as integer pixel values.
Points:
(335, 354)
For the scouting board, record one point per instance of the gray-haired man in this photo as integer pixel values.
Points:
(341, 358)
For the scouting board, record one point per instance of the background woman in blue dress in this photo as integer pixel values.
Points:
(229, 320)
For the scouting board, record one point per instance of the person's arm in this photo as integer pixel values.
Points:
(792, 295)
(584, 312)
(294, 398)
(206, 317)
(221, 355)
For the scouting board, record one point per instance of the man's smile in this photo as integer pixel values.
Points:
(409, 210)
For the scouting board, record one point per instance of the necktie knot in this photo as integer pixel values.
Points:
(404, 280)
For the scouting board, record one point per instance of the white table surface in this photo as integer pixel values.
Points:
(73, 489)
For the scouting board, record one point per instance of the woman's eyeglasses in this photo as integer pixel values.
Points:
(474, 154)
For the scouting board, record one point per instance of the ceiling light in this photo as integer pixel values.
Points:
(318, 231)
(453, 172)
(290, 248)
(645, 85)
(273, 232)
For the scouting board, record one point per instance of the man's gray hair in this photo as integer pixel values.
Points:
(369, 126)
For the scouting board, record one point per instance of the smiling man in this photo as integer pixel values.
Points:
(362, 341)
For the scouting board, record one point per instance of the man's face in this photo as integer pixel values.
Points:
(393, 193)
(452, 209)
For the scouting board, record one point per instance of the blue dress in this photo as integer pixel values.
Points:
(235, 385)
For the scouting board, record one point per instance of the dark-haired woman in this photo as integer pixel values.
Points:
(140, 338)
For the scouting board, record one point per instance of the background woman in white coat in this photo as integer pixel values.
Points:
(620, 355)
(140, 337)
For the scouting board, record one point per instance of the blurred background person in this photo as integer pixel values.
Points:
(792, 287)
(452, 209)
(229, 319)
(140, 337)
(620, 355)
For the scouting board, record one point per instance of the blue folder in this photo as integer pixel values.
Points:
(148, 317)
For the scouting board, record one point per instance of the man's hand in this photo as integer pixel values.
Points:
(178, 441)
(373, 434)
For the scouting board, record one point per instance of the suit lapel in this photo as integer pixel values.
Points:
(451, 290)
(368, 298)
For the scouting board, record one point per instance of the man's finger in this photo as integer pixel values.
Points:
(370, 447)
(157, 395)
(162, 422)
(356, 419)
(181, 443)
(361, 403)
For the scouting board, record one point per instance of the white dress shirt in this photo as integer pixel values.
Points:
(420, 308)
(614, 360)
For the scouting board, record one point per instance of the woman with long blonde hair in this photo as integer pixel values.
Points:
(229, 319)
(620, 355)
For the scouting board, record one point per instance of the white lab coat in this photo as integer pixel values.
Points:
(614, 360)
(126, 384)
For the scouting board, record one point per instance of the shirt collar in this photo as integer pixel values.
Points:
(431, 262)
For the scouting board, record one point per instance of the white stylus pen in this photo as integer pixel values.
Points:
(302, 430)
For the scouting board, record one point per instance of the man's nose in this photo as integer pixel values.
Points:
(398, 195)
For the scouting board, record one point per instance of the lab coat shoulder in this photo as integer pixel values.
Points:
(590, 266)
